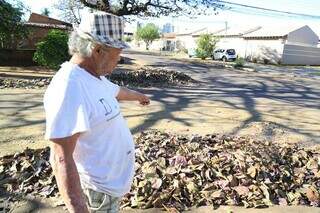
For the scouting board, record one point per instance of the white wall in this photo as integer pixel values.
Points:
(301, 55)
(259, 49)
(155, 45)
(264, 49)
(187, 41)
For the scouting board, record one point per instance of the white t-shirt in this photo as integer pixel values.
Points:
(75, 101)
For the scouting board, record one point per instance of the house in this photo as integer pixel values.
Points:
(22, 51)
(267, 44)
(226, 36)
(283, 44)
(39, 26)
(168, 42)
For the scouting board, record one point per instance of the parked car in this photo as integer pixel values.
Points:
(191, 52)
(224, 54)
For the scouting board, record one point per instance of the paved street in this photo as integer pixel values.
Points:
(271, 101)
(273, 105)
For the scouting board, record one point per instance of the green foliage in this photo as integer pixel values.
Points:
(153, 8)
(127, 38)
(239, 62)
(200, 53)
(45, 12)
(205, 46)
(53, 50)
(148, 34)
(11, 27)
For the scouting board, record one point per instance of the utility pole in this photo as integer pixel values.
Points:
(225, 37)
(226, 25)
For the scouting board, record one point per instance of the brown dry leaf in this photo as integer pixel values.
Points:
(156, 183)
(283, 202)
(312, 194)
(217, 194)
(161, 162)
(192, 187)
(171, 170)
(252, 171)
(242, 190)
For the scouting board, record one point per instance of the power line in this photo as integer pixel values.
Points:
(290, 14)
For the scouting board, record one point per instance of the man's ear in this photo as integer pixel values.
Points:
(97, 49)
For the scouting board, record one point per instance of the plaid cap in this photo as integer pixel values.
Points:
(103, 28)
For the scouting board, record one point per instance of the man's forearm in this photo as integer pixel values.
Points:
(69, 185)
(126, 94)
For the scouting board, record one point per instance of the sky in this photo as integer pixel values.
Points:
(242, 17)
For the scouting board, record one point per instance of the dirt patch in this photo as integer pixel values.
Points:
(271, 132)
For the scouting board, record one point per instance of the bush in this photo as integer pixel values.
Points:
(279, 61)
(53, 50)
(266, 61)
(239, 62)
(205, 46)
(200, 53)
(127, 38)
(254, 60)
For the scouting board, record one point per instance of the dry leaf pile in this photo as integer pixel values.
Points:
(27, 173)
(177, 171)
(24, 83)
(148, 76)
(142, 77)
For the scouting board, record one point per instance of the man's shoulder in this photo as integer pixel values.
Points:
(65, 80)
(67, 74)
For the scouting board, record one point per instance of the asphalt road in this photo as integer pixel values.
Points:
(278, 99)
(274, 102)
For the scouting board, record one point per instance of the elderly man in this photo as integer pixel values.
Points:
(92, 150)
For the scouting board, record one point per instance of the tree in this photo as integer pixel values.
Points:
(148, 34)
(11, 26)
(154, 8)
(53, 50)
(70, 10)
(45, 12)
(205, 46)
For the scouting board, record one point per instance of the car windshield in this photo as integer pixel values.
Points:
(231, 51)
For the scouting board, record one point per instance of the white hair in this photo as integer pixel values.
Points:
(80, 45)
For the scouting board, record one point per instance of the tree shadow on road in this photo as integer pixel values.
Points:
(230, 89)
(19, 112)
(240, 95)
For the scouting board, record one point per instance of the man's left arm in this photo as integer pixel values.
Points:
(126, 94)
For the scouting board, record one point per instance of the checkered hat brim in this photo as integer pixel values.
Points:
(104, 28)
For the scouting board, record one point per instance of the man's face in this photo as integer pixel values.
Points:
(107, 59)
